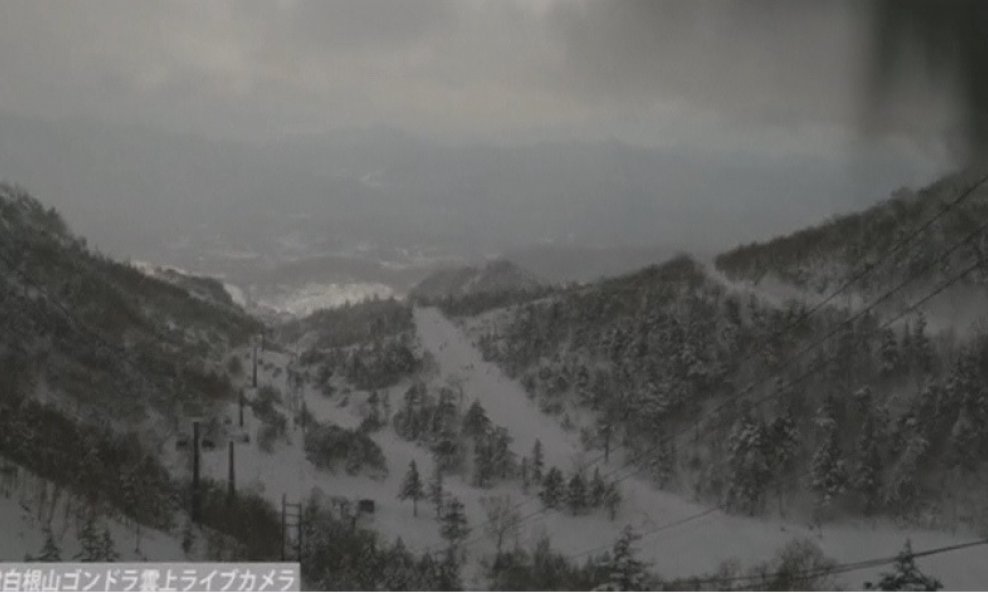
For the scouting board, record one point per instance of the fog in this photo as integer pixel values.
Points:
(189, 132)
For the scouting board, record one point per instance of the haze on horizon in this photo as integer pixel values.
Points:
(463, 127)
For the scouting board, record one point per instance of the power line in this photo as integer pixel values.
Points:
(848, 322)
(943, 286)
(838, 569)
(860, 274)
(793, 359)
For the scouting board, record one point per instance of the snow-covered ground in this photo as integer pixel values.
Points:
(689, 549)
(303, 300)
(959, 309)
(23, 525)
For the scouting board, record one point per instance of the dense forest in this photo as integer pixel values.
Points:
(759, 408)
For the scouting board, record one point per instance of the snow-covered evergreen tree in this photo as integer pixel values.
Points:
(454, 527)
(867, 472)
(748, 464)
(576, 494)
(829, 469)
(538, 464)
(411, 487)
(597, 490)
(906, 576)
(552, 488)
(90, 542)
(108, 550)
(475, 422)
(626, 572)
(612, 499)
(891, 359)
(437, 492)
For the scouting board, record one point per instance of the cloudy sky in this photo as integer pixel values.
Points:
(785, 75)
(743, 81)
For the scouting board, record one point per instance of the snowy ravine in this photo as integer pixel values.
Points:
(693, 547)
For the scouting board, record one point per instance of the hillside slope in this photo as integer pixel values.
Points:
(715, 393)
(910, 235)
(100, 365)
(496, 276)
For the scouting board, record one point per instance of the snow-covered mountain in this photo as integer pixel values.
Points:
(490, 442)
(497, 276)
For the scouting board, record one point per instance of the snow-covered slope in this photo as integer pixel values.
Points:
(691, 548)
(493, 277)
(23, 519)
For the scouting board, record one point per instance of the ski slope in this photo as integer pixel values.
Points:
(688, 549)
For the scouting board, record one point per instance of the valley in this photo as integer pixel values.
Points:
(544, 421)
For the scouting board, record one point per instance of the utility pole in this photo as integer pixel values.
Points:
(284, 530)
(195, 471)
(241, 408)
(231, 479)
(254, 375)
(291, 518)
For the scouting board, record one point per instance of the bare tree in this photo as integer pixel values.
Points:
(502, 518)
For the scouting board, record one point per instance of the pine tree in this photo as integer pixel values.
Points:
(598, 489)
(783, 443)
(612, 499)
(475, 422)
(525, 481)
(625, 571)
(90, 541)
(398, 569)
(605, 431)
(436, 490)
(448, 573)
(188, 538)
(902, 489)
(867, 471)
(890, 358)
(552, 488)
(665, 462)
(749, 466)
(906, 576)
(501, 458)
(538, 464)
(108, 550)
(483, 463)
(411, 487)
(922, 348)
(454, 528)
(829, 474)
(386, 407)
(576, 494)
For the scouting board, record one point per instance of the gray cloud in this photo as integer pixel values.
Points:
(735, 91)
(256, 69)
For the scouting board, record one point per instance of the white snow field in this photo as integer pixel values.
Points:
(689, 549)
